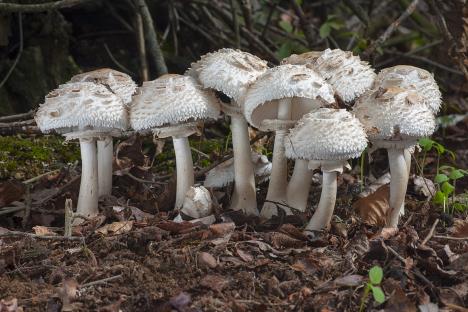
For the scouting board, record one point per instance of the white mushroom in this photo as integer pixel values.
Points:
(326, 138)
(197, 203)
(171, 105)
(231, 72)
(395, 118)
(84, 111)
(276, 101)
(124, 87)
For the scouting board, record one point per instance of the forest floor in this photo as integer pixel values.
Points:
(133, 258)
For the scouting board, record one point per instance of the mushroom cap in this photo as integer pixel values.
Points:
(197, 202)
(81, 105)
(229, 71)
(223, 174)
(346, 73)
(306, 89)
(326, 134)
(119, 83)
(410, 77)
(394, 114)
(170, 100)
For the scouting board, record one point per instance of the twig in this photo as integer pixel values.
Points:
(358, 11)
(140, 180)
(16, 117)
(141, 47)
(45, 237)
(14, 124)
(431, 232)
(32, 180)
(246, 8)
(113, 59)
(20, 51)
(306, 25)
(450, 237)
(389, 31)
(30, 8)
(427, 46)
(67, 227)
(235, 24)
(153, 45)
(428, 61)
(101, 281)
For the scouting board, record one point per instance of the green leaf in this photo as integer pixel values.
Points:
(439, 148)
(439, 198)
(426, 144)
(440, 178)
(378, 294)
(286, 26)
(325, 30)
(299, 2)
(335, 24)
(447, 188)
(375, 275)
(456, 174)
(284, 51)
(460, 207)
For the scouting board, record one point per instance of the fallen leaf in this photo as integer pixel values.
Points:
(373, 208)
(349, 280)
(399, 301)
(116, 228)
(67, 293)
(214, 282)
(176, 227)
(222, 229)
(43, 231)
(460, 228)
(245, 256)
(205, 259)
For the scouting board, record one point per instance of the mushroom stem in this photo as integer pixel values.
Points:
(299, 185)
(184, 167)
(88, 197)
(105, 152)
(244, 196)
(324, 213)
(279, 171)
(408, 171)
(398, 184)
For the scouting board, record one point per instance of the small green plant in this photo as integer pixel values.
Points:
(373, 285)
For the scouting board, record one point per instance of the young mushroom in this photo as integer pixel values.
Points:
(231, 72)
(349, 77)
(172, 105)
(326, 138)
(275, 102)
(124, 87)
(197, 204)
(84, 111)
(395, 118)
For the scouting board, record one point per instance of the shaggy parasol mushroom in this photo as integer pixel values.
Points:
(231, 72)
(349, 77)
(84, 111)
(124, 87)
(197, 204)
(326, 138)
(172, 105)
(278, 98)
(395, 118)
(415, 78)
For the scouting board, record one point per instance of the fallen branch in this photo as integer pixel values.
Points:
(101, 281)
(450, 237)
(10, 118)
(431, 232)
(48, 6)
(45, 237)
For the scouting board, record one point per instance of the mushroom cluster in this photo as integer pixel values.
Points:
(324, 107)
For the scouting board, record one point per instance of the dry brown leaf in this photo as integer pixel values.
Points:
(43, 231)
(399, 301)
(68, 292)
(222, 229)
(460, 228)
(373, 208)
(214, 282)
(116, 228)
(205, 259)
(349, 280)
(245, 256)
(176, 227)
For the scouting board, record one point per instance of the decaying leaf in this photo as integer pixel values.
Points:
(43, 231)
(116, 228)
(373, 208)
(460, 228)
(222, 229)
(214, 282)
(205, 259)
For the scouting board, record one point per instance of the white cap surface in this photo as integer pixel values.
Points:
(305, 87)
(410, 77)
(346, 73)
(119, 83)
(170, 100)
(326, 134)
(229, 71)
(197, 202)
(81, 105)
(394, 114)
(223, 174)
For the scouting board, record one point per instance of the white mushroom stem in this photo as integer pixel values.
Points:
(244, 196)
(105, 152)
(184, 167)
(88, 197)
(324, 213)
(398, 184)
(279, 173)
(408, 168)
(299, 186)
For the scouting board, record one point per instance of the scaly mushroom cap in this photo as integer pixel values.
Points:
(229, 71)
(119, 83)
(405, 76)
(81, 105)
(170, 100)
(394, 114)
(326, 134)
(223, 174)
(305, 87)
(346, 73)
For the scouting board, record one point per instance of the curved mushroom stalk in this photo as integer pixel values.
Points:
(244, 196)
(324, 213)
(398, 184)
(88, 197)
(279, 173)
(299, 186)
(184, 167)
(105, 152)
